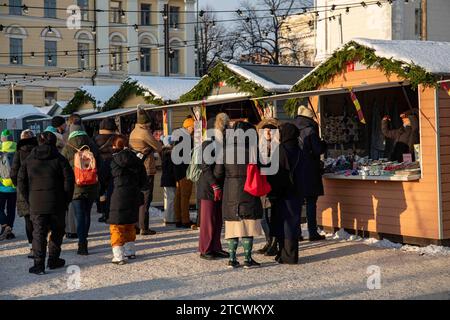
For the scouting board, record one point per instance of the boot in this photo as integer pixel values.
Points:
(273, 248)
(83, 249)
(266, 246)
(55, 263)
(129, 250)
(118, 255)
(38, 269)
(31, 254)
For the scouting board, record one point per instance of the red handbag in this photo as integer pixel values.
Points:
(256, 184)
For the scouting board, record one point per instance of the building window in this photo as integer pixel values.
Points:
(116, 12)
(116, 58)
(84, 7)
(418, 22)
(50, 98)
(145, 60)
(50, 54)
(174, 17)
(18, 96)
(50, 8)
(15, 51)
(83, 55)
(15, 7)
(145, 14)
(175, 61)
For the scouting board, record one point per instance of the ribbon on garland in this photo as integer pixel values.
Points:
(445, 86)
(265, 110)
(203, 118)
(357, 106)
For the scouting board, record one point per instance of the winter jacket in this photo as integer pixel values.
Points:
(312, 148)
(168, 168)
(129, 179)
(142, 140)
(180, 169)
(104, 142)
(207, 178)
(236, 203)
(24, 148)
(60, 142)
(78, 140)
(46, 181)
(8, 148)
(404, 138)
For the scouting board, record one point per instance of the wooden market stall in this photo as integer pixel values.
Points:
(411, 203)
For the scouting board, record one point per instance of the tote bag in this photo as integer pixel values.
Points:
(256, 184)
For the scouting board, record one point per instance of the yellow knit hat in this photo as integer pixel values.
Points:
(189, 122)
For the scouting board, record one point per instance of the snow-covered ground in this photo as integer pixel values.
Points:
(168, 267)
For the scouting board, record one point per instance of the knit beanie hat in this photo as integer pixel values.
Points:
(58, 121)
(305, 112)
(189, 122)
(142, 117)
(27, 133)
(108, 124)
(6, 135)
(51, 129)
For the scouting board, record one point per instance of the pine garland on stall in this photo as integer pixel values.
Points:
(220, 73)
(80, 97)
(356, 52)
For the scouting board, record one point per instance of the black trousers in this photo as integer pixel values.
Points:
(29, 228)
(42, 225)
(144, 216)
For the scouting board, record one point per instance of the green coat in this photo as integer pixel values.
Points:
(90, 192)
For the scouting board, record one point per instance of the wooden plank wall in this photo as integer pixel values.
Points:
(399, 208)
(444, 128)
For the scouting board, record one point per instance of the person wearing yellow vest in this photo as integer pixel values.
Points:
(7, 189)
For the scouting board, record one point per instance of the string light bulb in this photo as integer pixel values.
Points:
(25, 9)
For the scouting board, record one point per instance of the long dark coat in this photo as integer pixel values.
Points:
(236, 203)
(312, 148)
(168, 168)
(46, 181)
(129, 178)
(104, 145)
(207, 178)
(24, 147)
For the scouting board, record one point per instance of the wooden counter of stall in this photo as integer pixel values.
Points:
(413, 209)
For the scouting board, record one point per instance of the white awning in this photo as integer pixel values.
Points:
(110, 113)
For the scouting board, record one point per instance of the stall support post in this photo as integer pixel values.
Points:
(275, 109)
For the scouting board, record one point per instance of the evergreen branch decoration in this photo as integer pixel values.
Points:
(80, 97)
(353, 51)
(218, 74)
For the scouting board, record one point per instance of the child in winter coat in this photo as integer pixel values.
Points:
(168, 181)
(128, 177)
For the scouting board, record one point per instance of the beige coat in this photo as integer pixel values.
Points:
(142, 140)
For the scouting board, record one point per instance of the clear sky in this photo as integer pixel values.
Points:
(221, 5)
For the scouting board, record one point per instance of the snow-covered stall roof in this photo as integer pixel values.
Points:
(101, 94)
(432, 56)
(165, 88)
(273, 78)
(18, 111)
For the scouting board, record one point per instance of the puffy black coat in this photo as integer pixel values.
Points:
(168, 169)
(207, 178)
(129, 178)
(180, 169)
(236, 203)
(24, 147)
(46, 181)
(313, 147)
(104, 145)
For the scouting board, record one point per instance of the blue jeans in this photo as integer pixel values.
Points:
(311, 208)
(82, 208)
(8, 202)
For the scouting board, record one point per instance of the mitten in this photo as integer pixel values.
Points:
(217, 192)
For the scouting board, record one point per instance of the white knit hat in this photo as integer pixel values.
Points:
(305, 112)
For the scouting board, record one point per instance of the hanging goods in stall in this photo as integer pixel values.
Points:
(265, 109)
(445, 86)
(357, 106)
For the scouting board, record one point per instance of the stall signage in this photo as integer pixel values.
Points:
(350, 66)
(14, 124)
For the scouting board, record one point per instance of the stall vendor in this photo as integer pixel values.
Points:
(405, 137)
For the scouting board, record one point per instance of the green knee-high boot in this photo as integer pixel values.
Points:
(247, 243)
(232, 247)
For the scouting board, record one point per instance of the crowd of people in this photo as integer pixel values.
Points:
(54, 179)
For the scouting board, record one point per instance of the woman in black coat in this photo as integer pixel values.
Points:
(287, 195)
(129, 179)
(241, 211)
(26, 143)
(313, 147)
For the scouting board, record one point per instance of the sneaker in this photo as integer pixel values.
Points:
(30, 254)
(120, 263)
(251, 264)
(131, 257)
(71, 235)
(221, 254)
(233, 264)
(10, 235)
(6, 233)
(56, 263)
(208, 256)
(82, 249)
(316, 237)
(39, 270)
(263, 249)
(148, 232)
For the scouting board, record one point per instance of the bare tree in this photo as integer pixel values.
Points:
(261, 26)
